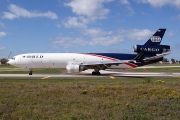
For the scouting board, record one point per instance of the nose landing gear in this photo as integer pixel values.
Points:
(30, 71)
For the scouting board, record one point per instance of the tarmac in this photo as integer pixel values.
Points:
(104, 74)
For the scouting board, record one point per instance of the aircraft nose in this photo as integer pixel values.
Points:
(8, 62)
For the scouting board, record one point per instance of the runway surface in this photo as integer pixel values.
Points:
(87, 74)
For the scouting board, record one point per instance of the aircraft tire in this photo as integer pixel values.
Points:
(96, 73)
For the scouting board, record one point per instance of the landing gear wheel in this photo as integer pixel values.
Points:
(30, 71)
(96, 73)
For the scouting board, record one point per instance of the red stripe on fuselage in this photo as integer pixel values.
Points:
(130, 64)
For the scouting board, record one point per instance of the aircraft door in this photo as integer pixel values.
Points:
(19, 59)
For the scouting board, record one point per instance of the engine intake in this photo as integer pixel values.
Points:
(71, 68)
(158, 49)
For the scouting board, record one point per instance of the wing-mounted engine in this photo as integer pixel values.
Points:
(157, 49)
(73, 68)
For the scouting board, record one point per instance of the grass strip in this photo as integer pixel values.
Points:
(120, 98)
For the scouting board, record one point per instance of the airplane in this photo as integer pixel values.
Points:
(77, 62)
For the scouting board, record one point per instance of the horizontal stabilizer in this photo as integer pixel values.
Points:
(155, 57)
(158, 67)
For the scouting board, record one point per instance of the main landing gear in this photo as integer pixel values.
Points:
(96, 73)
(30, 71)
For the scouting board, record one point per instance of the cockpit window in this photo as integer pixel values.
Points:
(13, 58)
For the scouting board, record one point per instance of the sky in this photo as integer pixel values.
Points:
(86, 26)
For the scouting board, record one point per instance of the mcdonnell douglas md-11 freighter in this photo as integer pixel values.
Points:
(150, 52)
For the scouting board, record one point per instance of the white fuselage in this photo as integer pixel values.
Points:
(59, 60)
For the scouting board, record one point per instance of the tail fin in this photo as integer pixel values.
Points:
(156, 38)
(151, 47)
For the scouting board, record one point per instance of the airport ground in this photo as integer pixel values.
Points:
(89, 98)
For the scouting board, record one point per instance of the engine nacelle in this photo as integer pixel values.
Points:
(158, 49)
(71, 68)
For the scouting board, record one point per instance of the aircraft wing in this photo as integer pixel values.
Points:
(94, 63)
(131, 63)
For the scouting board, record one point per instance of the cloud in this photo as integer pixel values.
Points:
(75, 22)
(81, 23)
(17, 12)
(93, 32)
(2, 48)
(87, 11)
(90, 10)
(93, 9)
(161, 3)
(136, 34)
(67, 42)
(2, 25)
(178, 16)
(106, 40)
(10, 16)
(2, 34)
(170, 33)
(124, 2)
(127, 4)
(93, 37)
(98, 37)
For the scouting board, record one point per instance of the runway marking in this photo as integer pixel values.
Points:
(45, 77)
(111, 77)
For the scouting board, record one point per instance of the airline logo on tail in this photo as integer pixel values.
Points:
(156, 39)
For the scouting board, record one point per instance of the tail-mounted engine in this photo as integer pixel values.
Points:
(157, 49)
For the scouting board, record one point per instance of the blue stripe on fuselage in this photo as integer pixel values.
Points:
(119, 56)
